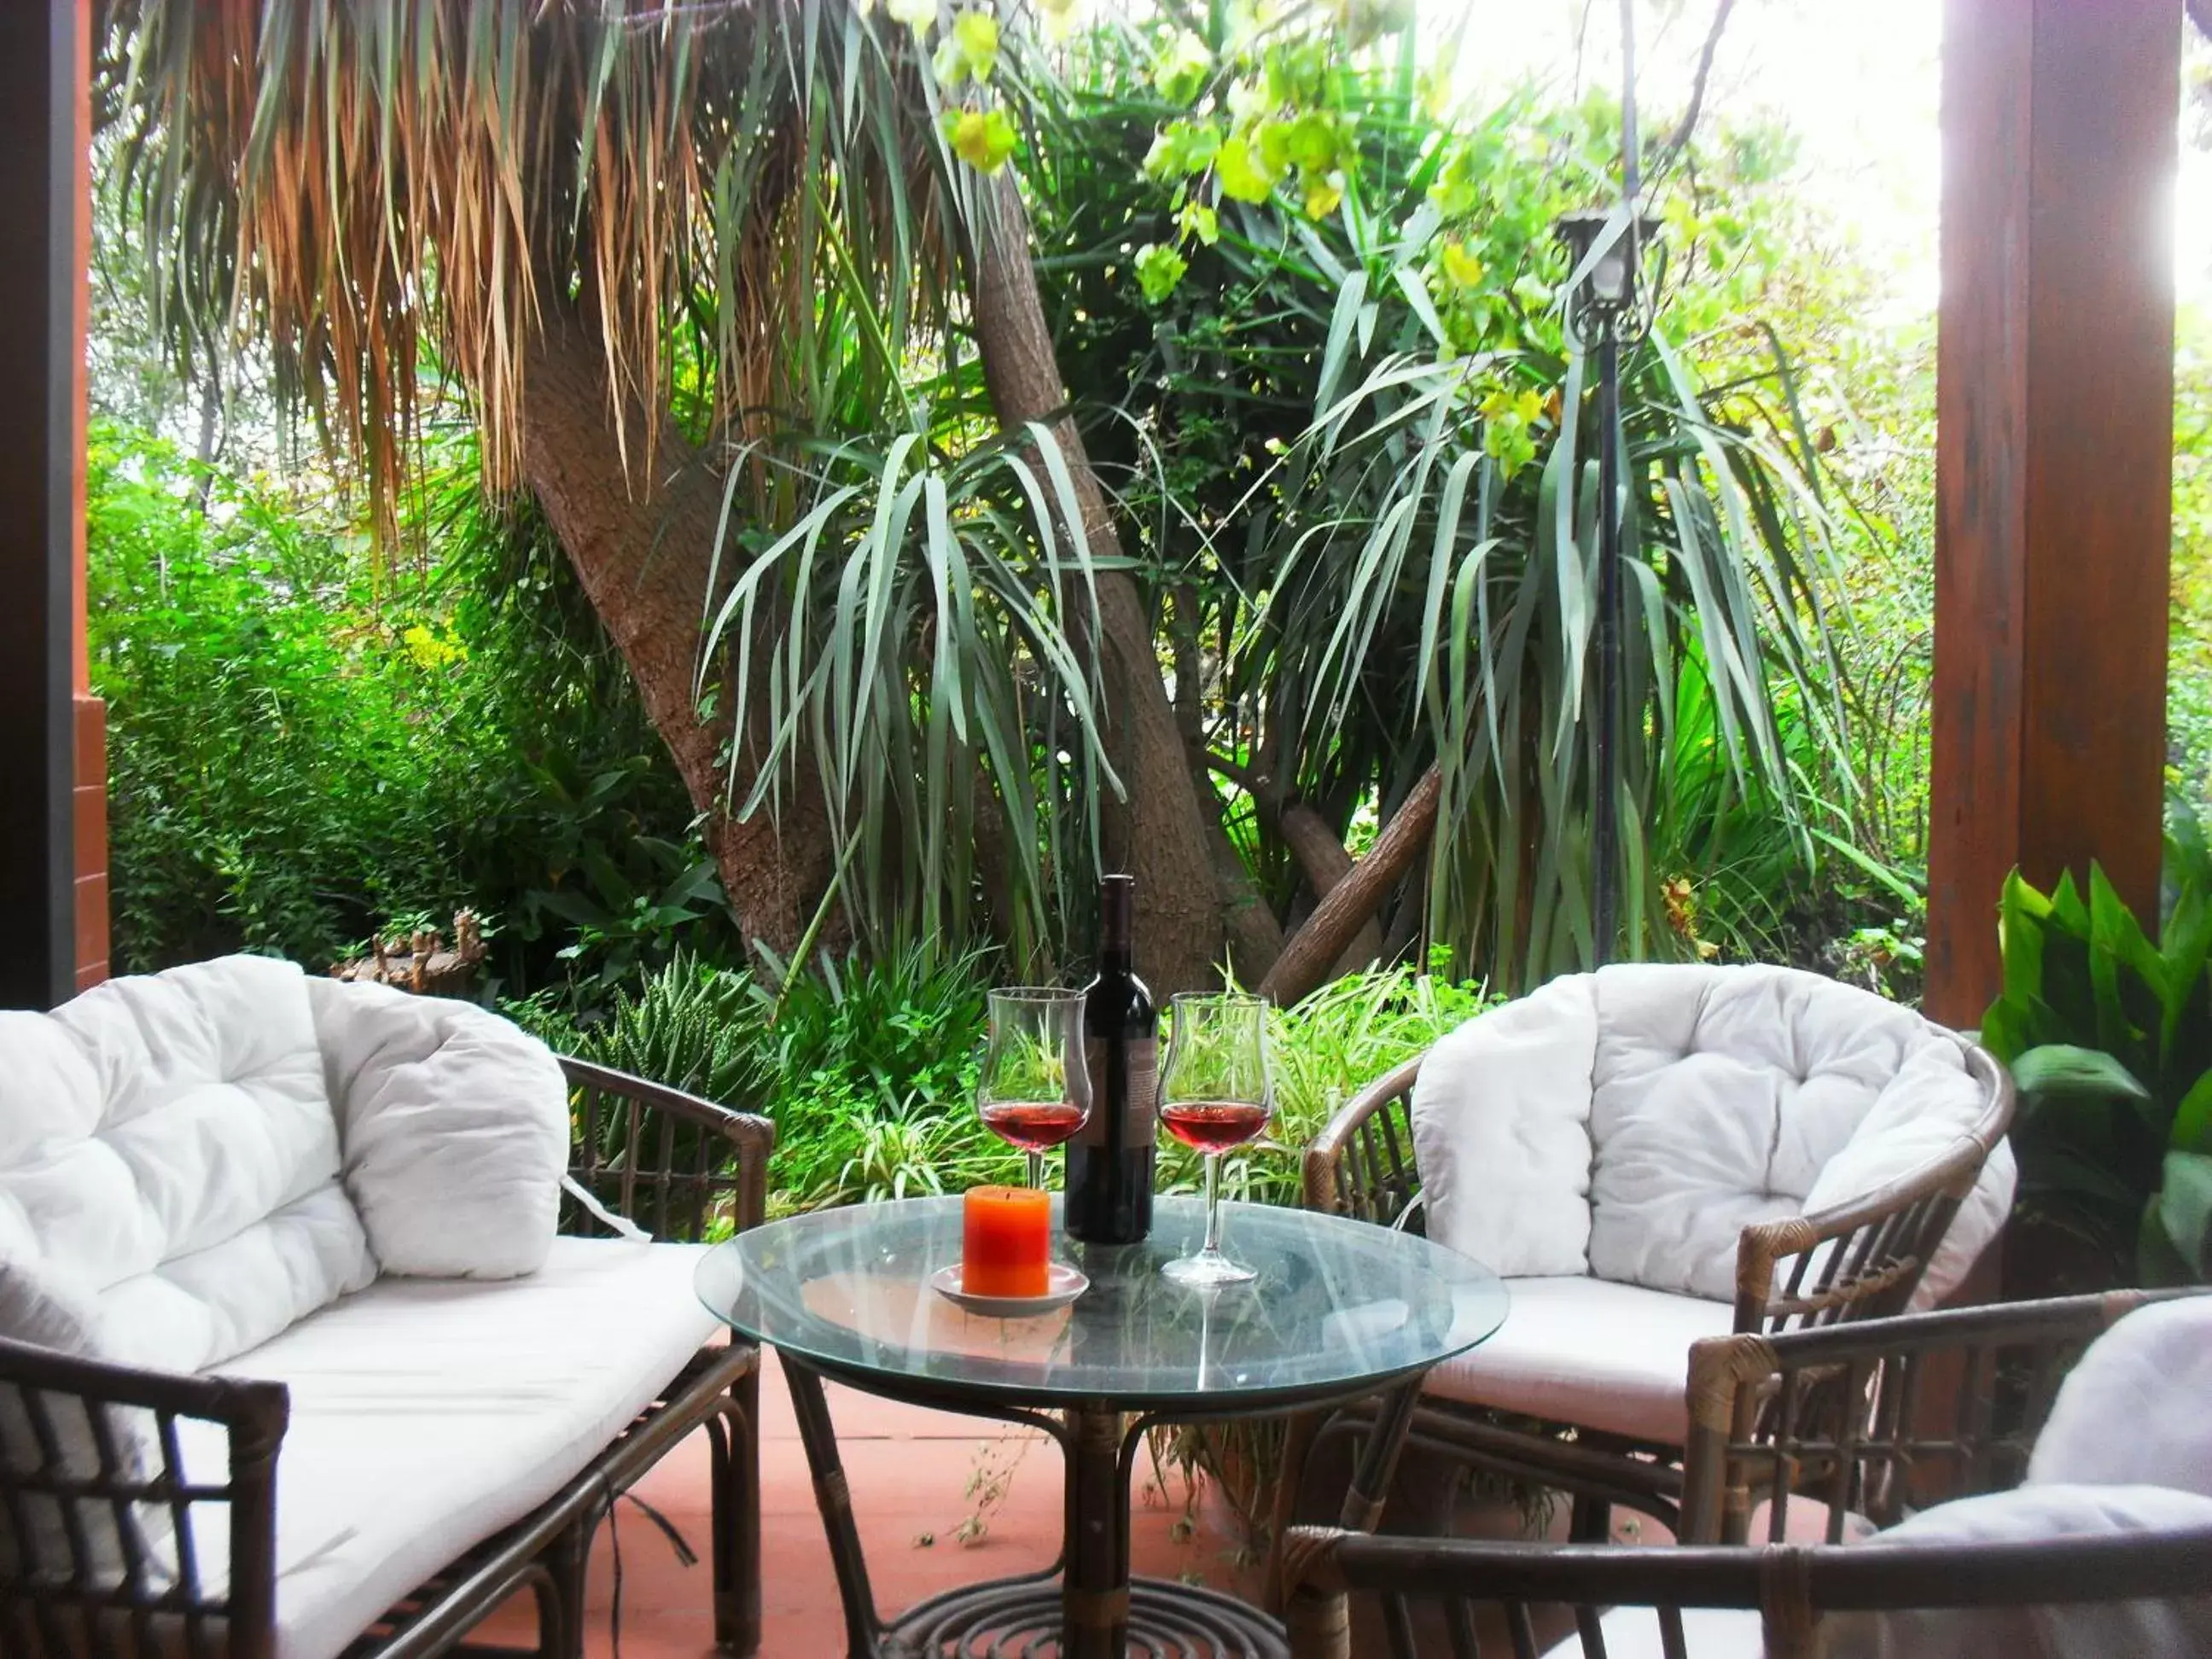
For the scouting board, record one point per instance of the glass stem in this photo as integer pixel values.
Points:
(1036, 1170)
(1212, 1204)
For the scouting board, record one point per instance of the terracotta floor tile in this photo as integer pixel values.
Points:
(910, 1472)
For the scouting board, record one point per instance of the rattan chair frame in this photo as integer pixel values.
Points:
(1765, 1425)
(1849, 1262)
(658, 1155)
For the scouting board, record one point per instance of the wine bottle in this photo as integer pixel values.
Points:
(1110, 1164)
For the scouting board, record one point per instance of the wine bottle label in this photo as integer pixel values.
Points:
(1144, 1091)
(1139, 1106)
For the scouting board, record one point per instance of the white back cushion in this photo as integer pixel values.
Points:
(2134, 1410)
(455, 1127)
(2139, 1630)
(1501, 1131)
(167, 1152)
(1725, 1097)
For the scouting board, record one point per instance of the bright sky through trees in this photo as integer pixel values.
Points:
(1858, 82)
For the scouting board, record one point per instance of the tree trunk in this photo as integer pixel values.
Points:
(1326, 863)
(1338, 917)
(1156, 831)
(640, 541)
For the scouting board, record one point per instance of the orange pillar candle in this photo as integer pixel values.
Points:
(1006, 1247)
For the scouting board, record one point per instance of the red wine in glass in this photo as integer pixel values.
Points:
(1213, 1126)
(1035, 1126)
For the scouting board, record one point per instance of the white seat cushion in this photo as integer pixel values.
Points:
(1707, 1633)
(2139, 1629)
(1581, 1349)
(2152, 1372)
(428, 1414)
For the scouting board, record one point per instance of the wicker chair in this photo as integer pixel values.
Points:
(670, 1160)
(1950, 1405)
(1859, 1260)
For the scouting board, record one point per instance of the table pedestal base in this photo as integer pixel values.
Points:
(1086, 1606)
(1022, 1617)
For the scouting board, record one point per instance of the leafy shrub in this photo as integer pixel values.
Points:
(1321, 1053)
(302, 746)
(268, 788)
(2110, 1039)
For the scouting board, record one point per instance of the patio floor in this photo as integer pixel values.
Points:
(916, 1477)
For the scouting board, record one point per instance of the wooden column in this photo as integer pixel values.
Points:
(40, 139)
(2054, 462)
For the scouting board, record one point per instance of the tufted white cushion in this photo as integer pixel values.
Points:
(455, 1129)
(168, 1151)
(2133, 1411)
(1501, 1114)
(1631, 1123)
(1725, 1097)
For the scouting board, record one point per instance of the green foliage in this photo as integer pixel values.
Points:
(301, 749)
(268, 780)
(1353, 445)
(1320, 1054)
(2110, 1039)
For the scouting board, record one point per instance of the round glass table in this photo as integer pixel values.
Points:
(1340, 1310)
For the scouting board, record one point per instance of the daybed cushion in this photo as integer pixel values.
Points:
(1580, 1350)
(455, 1128)
(1631, 1122)
(2138, 1408)
(169, 1162)
(2147, 1628)
(428, 1414)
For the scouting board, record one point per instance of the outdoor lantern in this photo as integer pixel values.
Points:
(1604, 303)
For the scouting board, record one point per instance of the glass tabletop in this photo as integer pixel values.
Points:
(1337, 1303)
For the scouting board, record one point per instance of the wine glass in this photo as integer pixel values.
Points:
(1215, 1095)
(1035, 1091)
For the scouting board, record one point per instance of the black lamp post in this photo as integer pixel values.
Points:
(1605, 311)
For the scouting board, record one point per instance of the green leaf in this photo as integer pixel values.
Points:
(978, 34)
(1181, 148)
(1243, 177)
(2185, 1209)
(916, 15)
(1182, 68)
(2061, 1068)
(982, 138)
(1159, 268)
(2192, 1119)
(1199, 220)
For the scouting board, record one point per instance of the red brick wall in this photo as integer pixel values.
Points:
(90, 795)
(91, 800)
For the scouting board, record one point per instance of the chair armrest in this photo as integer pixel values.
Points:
(1791, 1585)
(87, 1458)
(683, 1161)
(1361, 1164)
(1853, 1412)
(1863, 1259)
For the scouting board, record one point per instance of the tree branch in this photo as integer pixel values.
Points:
(1352, 902)
(1679, 139)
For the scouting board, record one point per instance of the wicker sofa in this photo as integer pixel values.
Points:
(1651, 1155)
(2073, 1519)
(293, 1363)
